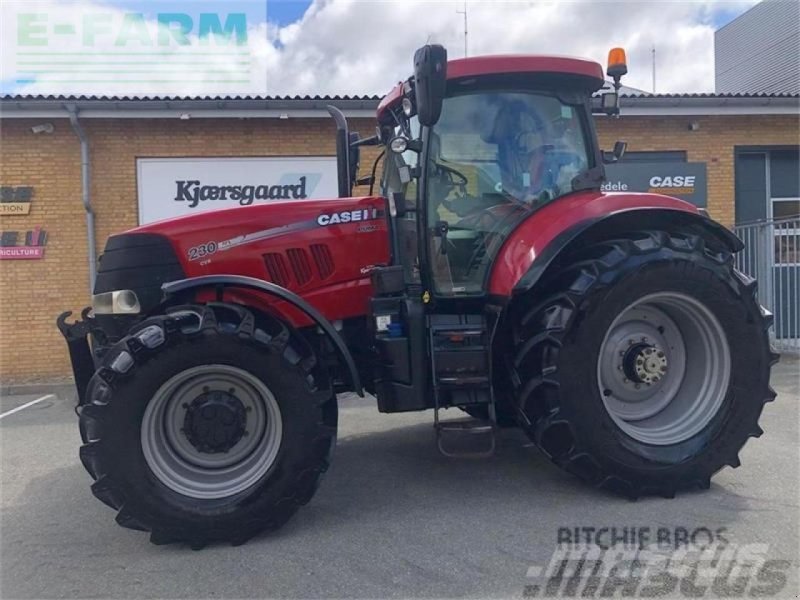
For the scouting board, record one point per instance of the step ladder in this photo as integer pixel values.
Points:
(461, 371)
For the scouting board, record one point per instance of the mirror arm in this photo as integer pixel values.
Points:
(369, 141)
(598, 108)
(415, 145)
(373, 175)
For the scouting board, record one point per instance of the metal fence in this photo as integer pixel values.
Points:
(772, 255)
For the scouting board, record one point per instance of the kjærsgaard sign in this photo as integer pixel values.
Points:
(171, 187)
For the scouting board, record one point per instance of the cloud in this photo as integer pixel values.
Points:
(364, 47)
(349, 46)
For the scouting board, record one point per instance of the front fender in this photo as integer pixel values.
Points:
(538, 240)
(238, 281)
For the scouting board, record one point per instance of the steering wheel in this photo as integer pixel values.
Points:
(453, 175)
(456, 181)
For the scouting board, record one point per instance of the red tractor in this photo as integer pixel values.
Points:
(491, 274)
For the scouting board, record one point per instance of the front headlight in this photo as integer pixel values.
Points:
(119, 302)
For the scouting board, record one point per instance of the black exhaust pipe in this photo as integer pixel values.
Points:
(342, 152)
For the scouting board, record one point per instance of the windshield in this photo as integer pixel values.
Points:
(493, 157)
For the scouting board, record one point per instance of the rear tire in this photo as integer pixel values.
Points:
(602, 398)
(207, 425)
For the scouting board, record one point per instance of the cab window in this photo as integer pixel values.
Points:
(494, 157)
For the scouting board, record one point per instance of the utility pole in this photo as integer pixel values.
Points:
(464, 12)
(654, 68)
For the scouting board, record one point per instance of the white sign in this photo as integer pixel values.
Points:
(171, 187)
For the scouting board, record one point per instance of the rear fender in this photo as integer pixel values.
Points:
(563, 218)
(222, 282)
(599, 228)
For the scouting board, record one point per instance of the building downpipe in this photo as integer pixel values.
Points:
(85, 192)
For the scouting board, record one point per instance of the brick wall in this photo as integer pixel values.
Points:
(33, 292)
(713, 143)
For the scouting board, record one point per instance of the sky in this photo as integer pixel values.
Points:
(336, 47)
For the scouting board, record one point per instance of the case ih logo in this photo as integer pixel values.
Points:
(15, 200)
(348, 216)
(677, 185)
(194, 192)
(32, 246)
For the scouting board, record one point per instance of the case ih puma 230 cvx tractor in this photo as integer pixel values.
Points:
(490, 273)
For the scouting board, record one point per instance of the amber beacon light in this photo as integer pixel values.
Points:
(617, 63)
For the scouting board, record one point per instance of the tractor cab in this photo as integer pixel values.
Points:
(471, 148)
(502, 147)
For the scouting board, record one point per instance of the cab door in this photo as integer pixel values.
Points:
(492, 159)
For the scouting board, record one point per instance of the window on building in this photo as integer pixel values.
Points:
(784, 173)
(784, 190)
(787, 243)
(785, 208)
(768, 192)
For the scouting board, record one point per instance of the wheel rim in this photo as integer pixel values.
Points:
(211, 431)
(663, 368)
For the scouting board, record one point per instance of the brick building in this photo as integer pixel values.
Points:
(739, 144)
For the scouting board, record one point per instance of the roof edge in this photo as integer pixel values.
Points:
(20, 106)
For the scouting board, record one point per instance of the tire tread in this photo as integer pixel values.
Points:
(547, 323)
(95, 425)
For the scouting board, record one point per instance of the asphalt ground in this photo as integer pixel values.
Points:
(393, 517)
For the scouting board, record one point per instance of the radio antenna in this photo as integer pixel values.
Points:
(654, 68)
(464, 12)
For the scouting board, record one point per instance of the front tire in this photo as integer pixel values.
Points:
(207, 425)
(646, 368)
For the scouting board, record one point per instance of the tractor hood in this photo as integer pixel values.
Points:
(289, 221)
(313, 247)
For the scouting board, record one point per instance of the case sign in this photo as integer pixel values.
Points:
(683, 180)
(172, 187)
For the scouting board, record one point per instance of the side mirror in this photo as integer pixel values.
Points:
(619, 150)
(616, 154)
(430, 80)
